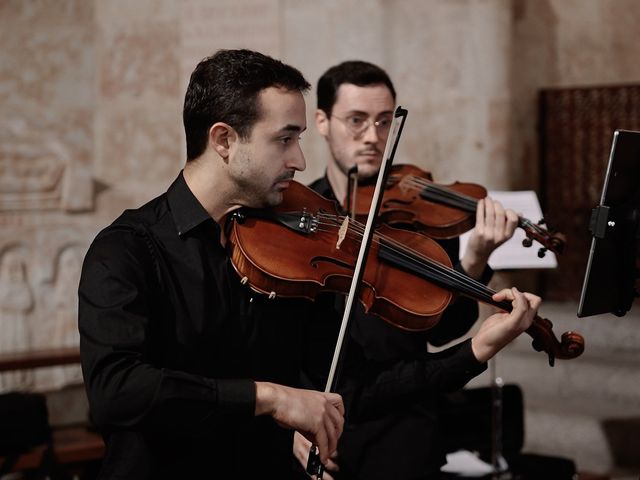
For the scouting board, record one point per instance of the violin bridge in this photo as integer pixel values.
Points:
(405, 184)
(342, 232)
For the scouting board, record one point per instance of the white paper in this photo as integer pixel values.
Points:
(464, 462)
(512, 254)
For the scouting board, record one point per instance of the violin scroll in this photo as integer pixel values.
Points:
(570, 346)
(554, 241)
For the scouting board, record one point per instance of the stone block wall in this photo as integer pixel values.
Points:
(91, 94)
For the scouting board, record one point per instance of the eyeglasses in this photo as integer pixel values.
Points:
(358, 124)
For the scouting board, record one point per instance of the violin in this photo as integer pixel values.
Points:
(304, 246)
(413, 199)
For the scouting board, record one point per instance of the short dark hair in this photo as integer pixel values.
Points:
(225, 87)
(358, 73)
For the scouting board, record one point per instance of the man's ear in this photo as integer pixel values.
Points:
(221, 137)
(322, 123)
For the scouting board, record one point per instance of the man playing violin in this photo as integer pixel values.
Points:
(182, 362)
(389, 381)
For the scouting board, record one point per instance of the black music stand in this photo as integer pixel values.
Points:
(612, 270)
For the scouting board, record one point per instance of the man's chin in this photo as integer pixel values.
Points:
(368, 171)
(267, 199)
(274, 198)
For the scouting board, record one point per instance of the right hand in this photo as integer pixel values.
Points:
(301, 449)
(318, 416)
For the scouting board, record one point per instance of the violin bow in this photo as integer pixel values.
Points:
(314, 466)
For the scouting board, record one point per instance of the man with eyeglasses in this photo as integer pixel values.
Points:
(345, 116)
(389, 381)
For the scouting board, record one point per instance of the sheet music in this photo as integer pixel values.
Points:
(467, 464)
(512, 254)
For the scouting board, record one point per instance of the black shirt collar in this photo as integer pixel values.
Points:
(187, 211)
(323, 187)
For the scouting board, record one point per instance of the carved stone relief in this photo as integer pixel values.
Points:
(47, 98)
(57, 324)
(44, 165)
(38, 299)
(16, 303)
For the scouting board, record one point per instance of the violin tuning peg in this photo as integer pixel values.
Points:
(527, 242)
(238, 217)
(542, 252)
(539, 347)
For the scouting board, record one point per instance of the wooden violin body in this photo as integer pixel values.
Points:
(412, 199)
(402, 205)
(312, 257)
(303, 247)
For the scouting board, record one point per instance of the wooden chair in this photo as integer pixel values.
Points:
(76, 450)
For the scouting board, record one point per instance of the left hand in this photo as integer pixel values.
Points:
(494, 226)
(500, 328)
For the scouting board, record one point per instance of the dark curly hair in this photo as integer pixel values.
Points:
(356, 72)
(225, 87)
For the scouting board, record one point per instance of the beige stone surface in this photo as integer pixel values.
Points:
(91, 94)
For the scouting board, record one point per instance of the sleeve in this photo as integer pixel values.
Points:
(117, 308)
(321, 330)
(379, 388)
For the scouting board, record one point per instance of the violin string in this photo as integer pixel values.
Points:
(475, 289)
(436, 269)
(448, 195)
(446, 272)
(410, 254)
(528, 224)
(423, 182)
(417, 183)
(399, 249)
(470, 285)
(445, 193)
(463, 201)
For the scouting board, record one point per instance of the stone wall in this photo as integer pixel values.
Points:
(91, 94)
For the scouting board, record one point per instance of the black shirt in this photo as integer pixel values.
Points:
(390, 385)
(171, 344)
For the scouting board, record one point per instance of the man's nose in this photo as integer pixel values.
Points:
(297, 160)
(370, 134)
